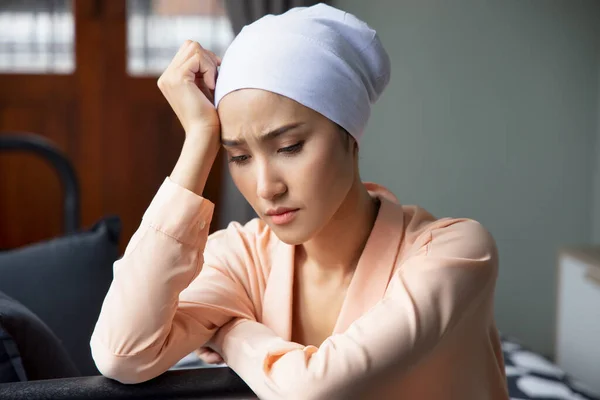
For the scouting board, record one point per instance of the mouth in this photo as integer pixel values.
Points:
(282, 216)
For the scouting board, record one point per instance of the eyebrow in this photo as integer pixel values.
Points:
(263, 138)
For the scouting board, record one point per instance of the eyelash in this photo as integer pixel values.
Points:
(239, 160)
(293, 149)
(287, 151)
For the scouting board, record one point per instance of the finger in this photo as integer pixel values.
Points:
(213, 358)
(217, 61)
(202, 355)
(208, 69)
(204, 69)
(209, 356)
(187, 53)
(185, 44)
(201, 351)
(192, 65)
(214, 57)
(180, 56)
(201, 70)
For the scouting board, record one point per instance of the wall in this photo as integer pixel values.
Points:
(492, 114)
(596, 177)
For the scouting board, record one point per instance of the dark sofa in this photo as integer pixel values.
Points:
(50, 297)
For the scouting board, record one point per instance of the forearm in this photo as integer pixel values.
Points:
(140, 332)
(195, 161)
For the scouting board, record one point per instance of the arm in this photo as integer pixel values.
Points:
(148, 321)
(429, 295)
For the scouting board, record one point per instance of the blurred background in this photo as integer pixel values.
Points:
(492, 113)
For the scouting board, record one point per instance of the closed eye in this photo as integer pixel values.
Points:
(289, 150)
(292, 149)
(239, 160)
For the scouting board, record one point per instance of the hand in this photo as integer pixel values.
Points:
(188, 84)
(209, 356)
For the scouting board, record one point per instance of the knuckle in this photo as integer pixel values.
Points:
(208, 60)
(198, 59)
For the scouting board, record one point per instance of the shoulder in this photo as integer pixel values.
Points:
(453, 257)
(447, 237)
(465, 238)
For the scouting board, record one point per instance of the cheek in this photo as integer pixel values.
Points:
(325, 175)
(244, 181)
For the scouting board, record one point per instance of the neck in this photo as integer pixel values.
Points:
(338, 246)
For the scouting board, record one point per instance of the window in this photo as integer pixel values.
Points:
(157, 28)
(36, 36)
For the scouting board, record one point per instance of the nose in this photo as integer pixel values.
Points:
(269, 184)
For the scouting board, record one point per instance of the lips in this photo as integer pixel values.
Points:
(282, 215)
(279, 211)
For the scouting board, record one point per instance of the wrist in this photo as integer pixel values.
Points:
(203, 130)
(195, 162)
(203, 140)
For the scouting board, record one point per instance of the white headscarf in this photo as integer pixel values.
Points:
(322, 57)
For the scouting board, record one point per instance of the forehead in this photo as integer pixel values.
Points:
(258, 110)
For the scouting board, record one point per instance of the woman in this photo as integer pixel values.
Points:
(336, 280)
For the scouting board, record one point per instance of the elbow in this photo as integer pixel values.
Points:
(116, 367)
(115, 371)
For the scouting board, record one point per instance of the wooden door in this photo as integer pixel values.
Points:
(116, 128)
(45, 101)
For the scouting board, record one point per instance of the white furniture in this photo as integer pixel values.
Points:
(578, 314)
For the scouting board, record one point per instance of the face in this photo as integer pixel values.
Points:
(293, 165)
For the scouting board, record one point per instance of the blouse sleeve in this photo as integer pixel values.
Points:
(171, 290)
(428, 296)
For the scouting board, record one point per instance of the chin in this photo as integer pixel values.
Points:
(290, 234)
